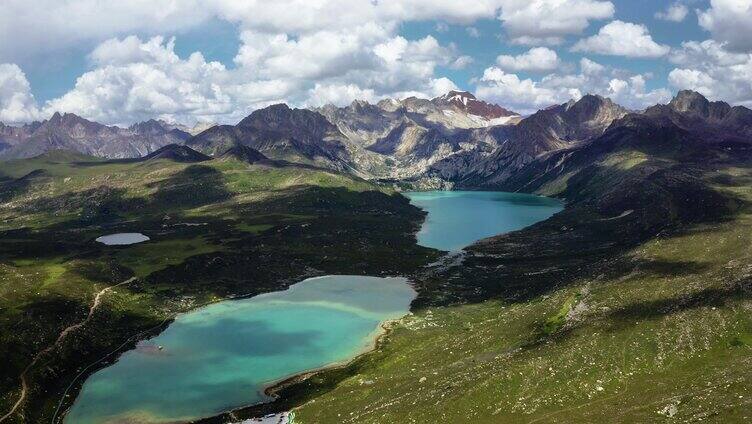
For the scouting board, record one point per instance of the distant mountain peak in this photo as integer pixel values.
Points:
(457, 96)
(692, 101)
(468, 103)
(592, 104)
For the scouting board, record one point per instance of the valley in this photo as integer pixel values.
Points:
(630, 304)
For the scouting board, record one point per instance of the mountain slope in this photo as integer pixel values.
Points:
(548, 130)
(294, 135)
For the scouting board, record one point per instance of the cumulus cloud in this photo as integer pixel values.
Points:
(300, 52)
(537, 59)
(462, 62)
(73, 22)
(729, 21)
(619, 38)
(675, 12)
(528, 95)
(52, 25)
(16, 101)
(710, 68)
(133, 85)
(322, 94)
(136, 79)
(549, 21)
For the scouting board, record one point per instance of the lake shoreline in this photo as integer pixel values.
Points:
(66, 401)
(262, 408)
(269, 390)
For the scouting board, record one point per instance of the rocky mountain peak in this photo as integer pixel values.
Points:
(71, 124)
(390, 105)
(468, 103)
(694, 103)
(152, 126)
(280, 117)
(457, 96)
(594, 107)
(688, 100)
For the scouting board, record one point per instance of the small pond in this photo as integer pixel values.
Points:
(121, 239)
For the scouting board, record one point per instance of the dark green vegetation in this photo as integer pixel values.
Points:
(219, 228)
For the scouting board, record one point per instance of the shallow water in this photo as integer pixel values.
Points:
(121, 239)
(222, 356)
(456, 219)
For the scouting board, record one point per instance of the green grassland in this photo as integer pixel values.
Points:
(652, 344)
(218, 229)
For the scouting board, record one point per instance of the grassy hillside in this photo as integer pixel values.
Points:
(632, 305)
(218, 229)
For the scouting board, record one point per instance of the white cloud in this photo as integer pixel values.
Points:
(549, 21)
(473, 32)
(131, 50)
(619, 38)
(537, 59)
(46, 26)
(315, 55)
(461, 62)
(589, 67)
(523, 95)
(298, 51)
(54, 25)
(706, 53)
(711, 69)
(322, 94)
(528, 95)
(729, 21)
(136, 80)
(157, 84)
(675, 12)
(16, 101)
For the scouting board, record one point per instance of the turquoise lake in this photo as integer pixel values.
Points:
(458, 218)
(222, 356)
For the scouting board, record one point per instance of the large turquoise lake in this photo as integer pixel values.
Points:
(456, 219)
(222, 356)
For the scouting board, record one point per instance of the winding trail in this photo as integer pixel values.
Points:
(58, 341)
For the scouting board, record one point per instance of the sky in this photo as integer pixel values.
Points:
(191, 61)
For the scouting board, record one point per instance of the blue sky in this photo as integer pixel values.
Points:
(137, 59)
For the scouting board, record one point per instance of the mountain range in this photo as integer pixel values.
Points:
(451, 140)
(71, 132)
